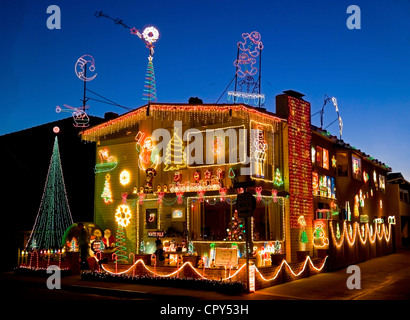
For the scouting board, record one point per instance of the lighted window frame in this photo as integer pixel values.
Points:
(356, 168)
(325, 156)
(319, 156)
(382, 183)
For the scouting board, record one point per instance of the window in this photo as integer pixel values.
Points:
(313, 155)
(356, 168)
(404, 195)
(216, 221)
(315, 183)
(319, 152)
(342, 164)
(322, 157)
(382, 183)
(326, 159)
(327, 187)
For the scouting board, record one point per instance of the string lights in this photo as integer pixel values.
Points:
(54, 215)
(220, 113)
(300, 162)
(351, 235)
(189, 264)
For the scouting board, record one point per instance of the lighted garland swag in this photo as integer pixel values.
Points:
(187, 283)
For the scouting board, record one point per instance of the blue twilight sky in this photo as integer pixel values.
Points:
(307, 48)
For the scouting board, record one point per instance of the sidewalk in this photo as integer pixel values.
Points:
(383, 278)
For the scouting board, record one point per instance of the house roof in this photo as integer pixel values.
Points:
(341, 143)
(397, 177)
(132, 117)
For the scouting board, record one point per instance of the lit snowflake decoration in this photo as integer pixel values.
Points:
(123, 215)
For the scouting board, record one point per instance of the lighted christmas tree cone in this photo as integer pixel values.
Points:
(54, 215)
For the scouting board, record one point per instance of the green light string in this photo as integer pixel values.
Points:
(120, 245)
(54, 215)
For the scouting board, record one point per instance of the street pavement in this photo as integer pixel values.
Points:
(383, 278)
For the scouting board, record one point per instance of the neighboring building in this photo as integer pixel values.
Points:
(398, 190)
(191, 195)
(25, 158)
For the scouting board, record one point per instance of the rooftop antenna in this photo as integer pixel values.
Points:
(249, 53)
(334, 102)
(149, 36)
(80, 116)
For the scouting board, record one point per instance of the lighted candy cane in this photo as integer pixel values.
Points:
(222, 192)
(259, 193)
(274, 195)
(178, 264)
(115, 258)
(179, 196)
(219, 173)
(160, 196)
(30, 254)
(133, 262)
(203, 268)
(154, 260)
(201, 195)
(141, 197)
(98, 256)
(48, 258)
(124, 196)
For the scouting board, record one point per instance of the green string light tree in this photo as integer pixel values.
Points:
(150, 91)
(54, 215)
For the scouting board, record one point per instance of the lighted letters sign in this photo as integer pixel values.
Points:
(156, 234)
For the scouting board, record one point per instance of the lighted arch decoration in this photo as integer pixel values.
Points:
(123, 215)
(367, 234)
(284, 264)
(334, 101)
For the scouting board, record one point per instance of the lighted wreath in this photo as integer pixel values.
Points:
(125, 177)
(123, 215)
(150, 34)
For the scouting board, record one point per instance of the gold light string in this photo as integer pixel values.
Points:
(284, 262)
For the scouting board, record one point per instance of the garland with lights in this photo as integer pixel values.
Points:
(201, 277)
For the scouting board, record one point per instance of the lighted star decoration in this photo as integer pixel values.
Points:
(333, 162)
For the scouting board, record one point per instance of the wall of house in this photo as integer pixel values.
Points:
(126, 149)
